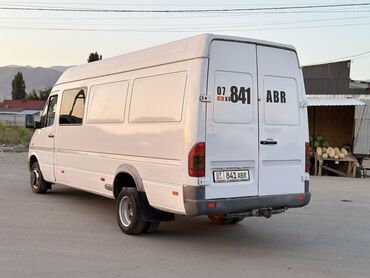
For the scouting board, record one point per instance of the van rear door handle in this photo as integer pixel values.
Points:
(51, 135)
(268, 142)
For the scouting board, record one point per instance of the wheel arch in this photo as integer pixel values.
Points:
(127, 176)
(32, 159)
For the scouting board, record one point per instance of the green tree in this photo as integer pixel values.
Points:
(33, 95)
(39, 95)
(18, 87)
(94, 57)
(44, 94)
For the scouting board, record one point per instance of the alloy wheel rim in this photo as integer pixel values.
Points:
(35, 178)
(126, 211)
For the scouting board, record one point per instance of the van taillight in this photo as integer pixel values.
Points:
(197, 160)
(307, 166)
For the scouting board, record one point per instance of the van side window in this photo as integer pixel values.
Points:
(51, 111)
(158, 98)
(72, 107)
(107, 102)
(48, 114)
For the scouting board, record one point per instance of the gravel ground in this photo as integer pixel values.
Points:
(69, 233)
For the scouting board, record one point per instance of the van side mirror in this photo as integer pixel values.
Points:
(38, 125)
(30, 121)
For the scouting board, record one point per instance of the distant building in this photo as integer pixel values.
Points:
(338, 106)
(13, 112)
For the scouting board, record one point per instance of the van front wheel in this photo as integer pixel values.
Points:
(38, 184)
(129, 213)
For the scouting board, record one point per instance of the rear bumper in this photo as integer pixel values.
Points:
(196, 204)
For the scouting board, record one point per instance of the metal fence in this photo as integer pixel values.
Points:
(13, 120)
(9, 119)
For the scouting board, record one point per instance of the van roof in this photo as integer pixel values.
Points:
(185, 49)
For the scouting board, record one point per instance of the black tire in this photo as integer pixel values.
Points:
(219, 220)
(151, 227)
(236, 220)
(128, 212)
(37, 182)
(222, 220)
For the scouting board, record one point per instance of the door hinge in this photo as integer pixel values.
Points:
(304, 103)
(203, 181)
(204, 98)
(305, 177)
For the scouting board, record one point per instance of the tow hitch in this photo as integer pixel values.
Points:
(262, 212)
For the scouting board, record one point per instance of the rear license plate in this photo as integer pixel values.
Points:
(231, 176)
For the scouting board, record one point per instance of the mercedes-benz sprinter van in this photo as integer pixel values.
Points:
(209, 125)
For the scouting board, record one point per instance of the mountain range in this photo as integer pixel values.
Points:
(37, 78)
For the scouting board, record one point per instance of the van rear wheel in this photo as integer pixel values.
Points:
(237, 220)
(129, 212)
(219, 220)
(222, 220)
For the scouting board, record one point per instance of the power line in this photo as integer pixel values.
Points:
(163, 30)
(202, 27)
(218, 15)
(141, 18)
(362, 57)
(67, 9)
(185, 17)
(136, 4)
(351, 57)
(297, 27)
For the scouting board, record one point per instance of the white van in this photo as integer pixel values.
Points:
(209, 125)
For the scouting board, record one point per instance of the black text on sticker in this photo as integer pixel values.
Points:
(276, 96)
(237, 94)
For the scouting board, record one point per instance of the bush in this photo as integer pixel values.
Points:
(14, 135)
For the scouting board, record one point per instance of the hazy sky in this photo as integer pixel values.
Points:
(320, 34)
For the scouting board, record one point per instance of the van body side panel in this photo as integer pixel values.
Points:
(153, 143)
(232, 118)
(69, 142)
(282, 120)
(43, 142)
(43, 146)
(195, 114)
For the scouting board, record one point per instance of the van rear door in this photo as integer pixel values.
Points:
(232, 121)
(282, 123)
(255, 128)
